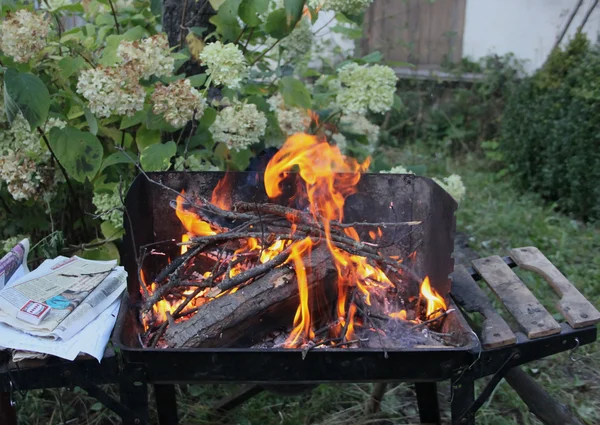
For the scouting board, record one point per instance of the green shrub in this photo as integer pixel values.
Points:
(454, 114)
(550, 131)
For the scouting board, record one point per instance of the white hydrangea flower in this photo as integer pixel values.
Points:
(111, 90)
(291, 119)
(454, 185)
(22, 139)
(349, 7)
(239, 125)
(178, 102)
(193, 163)
(366, 88)
(23, 35)
(22, 177)
(226, 64)
(359, 124)
(7, 244)
(398, 169)
(108, 206)
(299, 42)
(150, 56)
(340, 141)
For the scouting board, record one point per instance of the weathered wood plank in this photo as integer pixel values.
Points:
(533, 318)
(440, 29)
(578, 311)
(422, 46)
(467, 294)
(458, 27)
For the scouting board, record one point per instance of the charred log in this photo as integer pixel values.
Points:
(246, 316)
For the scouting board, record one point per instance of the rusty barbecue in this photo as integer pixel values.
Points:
(237, 259)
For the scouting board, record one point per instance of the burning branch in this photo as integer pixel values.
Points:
(235, 253)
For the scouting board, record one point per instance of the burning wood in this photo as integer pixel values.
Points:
(242, 264)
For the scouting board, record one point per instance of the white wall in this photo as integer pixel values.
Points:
(527, 28)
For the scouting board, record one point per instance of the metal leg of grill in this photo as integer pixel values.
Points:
(463, 398)
(166, 404)
(427, 400)
(236, 399)
(133, 391)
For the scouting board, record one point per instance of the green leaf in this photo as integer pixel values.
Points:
(80, 153)
(199, 31)
(294, 92)
(202, 138)
(239, 160)
(157, 122)
(156, 7)
(145, 137)
(226, 20)
(91, 120)
(293, 11)
(138, 117)
(216, 4)
(158, 157)
(373, 57)
(27, 94)
(197, 80)
(108, 251)
(209, 117)
(109, 54)
(96, 407)
(70, 65)
(118, 157)
(110, 232)
(352, 33)
(250, 10)
(276, 25)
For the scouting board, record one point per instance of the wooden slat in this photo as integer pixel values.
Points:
(533, 318)
(578, 311)
(495, 331)
(439, 28)
(458, 25)
(422, 46)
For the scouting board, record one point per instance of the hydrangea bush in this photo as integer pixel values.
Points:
(85, 107)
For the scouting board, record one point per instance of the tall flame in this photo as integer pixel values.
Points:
(329, 178)
(436, 305)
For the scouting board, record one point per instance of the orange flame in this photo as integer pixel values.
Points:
(329, 178)
(184, 238)
(191, 221)
(398, 315)
(436, 305)
(302, 325)
(221, 196)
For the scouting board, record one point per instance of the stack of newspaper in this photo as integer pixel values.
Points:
(65, 307)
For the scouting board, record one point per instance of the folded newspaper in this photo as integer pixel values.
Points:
(65, 306)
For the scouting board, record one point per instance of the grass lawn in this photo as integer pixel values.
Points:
(496, 218)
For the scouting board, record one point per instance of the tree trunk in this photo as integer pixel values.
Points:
(178, 16)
